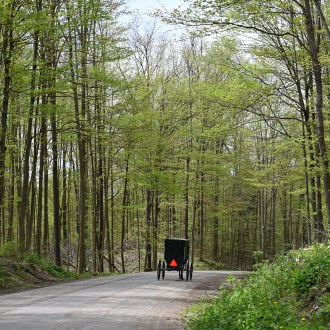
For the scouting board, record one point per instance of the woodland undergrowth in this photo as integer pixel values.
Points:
(291, 292)
(28, 270)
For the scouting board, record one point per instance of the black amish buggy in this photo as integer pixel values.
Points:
(176, 257)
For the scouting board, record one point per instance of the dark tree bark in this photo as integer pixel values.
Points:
(155, 228)
(27, 150)
(80, 116)
(186, 198)
(100, 207)
(56, 190)
(123, 217)
(201, 219)
(7, 50)
(30, 221)
(42, 163)
(51, 57)
(149, 206)
(45, 238)
(64, 202)
(322, 17)
(317, 73)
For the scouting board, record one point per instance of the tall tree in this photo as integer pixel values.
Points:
(8, 14)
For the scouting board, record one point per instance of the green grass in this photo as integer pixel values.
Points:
(48, 266)
(28, 270)
(293, 292)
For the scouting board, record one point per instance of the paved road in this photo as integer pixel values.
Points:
(125, 302)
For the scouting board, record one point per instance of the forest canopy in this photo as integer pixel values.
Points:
(115, 137)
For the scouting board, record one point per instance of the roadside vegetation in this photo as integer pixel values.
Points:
(29, 271)
(292, 292)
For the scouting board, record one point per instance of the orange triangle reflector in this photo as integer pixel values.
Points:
(173, 263)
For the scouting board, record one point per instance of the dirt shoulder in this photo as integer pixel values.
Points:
(16, 275)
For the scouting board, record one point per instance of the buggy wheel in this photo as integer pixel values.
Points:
(187, 271)
(163, 270)
(191, 271)
(158, 270)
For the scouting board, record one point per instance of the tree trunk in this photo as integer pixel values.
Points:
(201, 219)
(64, 206)
(32, 193)
(123, 218)
(155, 230)
(45, 243)
(148, 264)
(111, 246)
(322, 17)
(317, 72)
(216, 221)
(52, 66)
(273, 222)
(7, 50)
(56, 191)
(42, 163)
(100, 206)
(27, 152)
(186, 209)
(11, 201)
(80, 126)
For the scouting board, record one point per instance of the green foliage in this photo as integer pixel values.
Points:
(322, 314)
(7, 280)
(48, 266)
(314, 270)
(9, 249)
(3, 276)
(28, 270)
(258, 256)
(284, 294)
